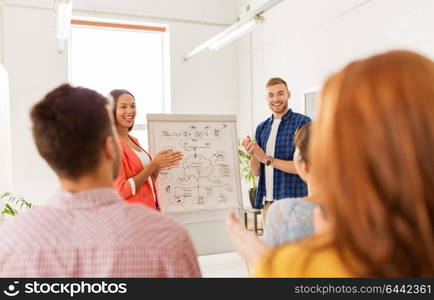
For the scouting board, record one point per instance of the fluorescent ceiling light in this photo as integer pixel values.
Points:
(63, 12)
(237, 33)
(63, 15)
(248, 17)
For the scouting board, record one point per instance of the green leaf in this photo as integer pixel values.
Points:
(244, 159)
(9, 210)
(14, 204)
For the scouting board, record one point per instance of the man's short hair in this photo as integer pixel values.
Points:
(274, 81)
(70, 125)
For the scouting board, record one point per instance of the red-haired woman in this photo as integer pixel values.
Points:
(373, 165)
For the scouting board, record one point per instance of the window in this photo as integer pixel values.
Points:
(106, 56)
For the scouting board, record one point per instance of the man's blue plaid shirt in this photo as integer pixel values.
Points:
(285, 185)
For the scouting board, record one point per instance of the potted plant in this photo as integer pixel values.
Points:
(247, 173)
(13, 205)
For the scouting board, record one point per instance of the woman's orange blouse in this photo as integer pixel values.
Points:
(130, 166)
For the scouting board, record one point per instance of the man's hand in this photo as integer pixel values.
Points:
(253, 149)
(259, 154)
(249, 145)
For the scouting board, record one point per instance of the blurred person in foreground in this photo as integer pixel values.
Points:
(373, 165)
(86, 229)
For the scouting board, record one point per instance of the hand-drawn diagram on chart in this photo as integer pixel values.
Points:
(206, 177)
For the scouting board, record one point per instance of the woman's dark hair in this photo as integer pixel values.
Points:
(116, 94)
(301, 140)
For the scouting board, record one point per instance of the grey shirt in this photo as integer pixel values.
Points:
(288, 220)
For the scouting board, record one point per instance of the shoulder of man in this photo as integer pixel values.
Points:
(303, 118)
(263, 124)
(164, 230)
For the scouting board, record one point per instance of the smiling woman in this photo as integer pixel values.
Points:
(138, 171)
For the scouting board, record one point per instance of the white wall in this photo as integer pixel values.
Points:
(5, 134)
(212, 11)
(34, 66)
(206, 84)
(304, 41)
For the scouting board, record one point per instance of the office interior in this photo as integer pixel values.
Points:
(300, 41)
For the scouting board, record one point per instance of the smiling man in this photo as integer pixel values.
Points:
(272, 152)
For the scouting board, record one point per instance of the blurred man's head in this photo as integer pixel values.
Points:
(73, 132)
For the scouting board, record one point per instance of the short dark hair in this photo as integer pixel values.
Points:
(301, 140)
(70, 125)
(274, 81)
(116, 94)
